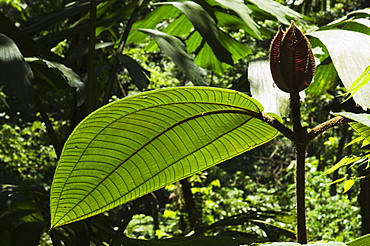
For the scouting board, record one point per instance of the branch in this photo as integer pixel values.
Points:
(314, 132)
(276, 124)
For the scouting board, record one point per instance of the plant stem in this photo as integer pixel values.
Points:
(126, 220)
(299, 136)
(49, 126)
(300, 194)
(91, 59)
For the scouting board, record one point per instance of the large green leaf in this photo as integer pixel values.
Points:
(350, 52)
(186, 241)
(263, 89)
(361, 241)
(141, 143)
(150, 21)
(298, 244)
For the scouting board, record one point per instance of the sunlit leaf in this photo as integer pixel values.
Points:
(142, 143)
(150, 21)
(338, 180)
(347, 185)
(361, 81)
(325, 78)
(207, 59)
(356, 140)
(263, 89)
(186, 241)
(361, 241)
(350, 52)
(343, 162)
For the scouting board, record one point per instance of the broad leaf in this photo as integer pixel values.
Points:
(298, 244)
(56, 75)
(15, 74)
(361, 241)
(263, 89)
(150, 21)
(186, 241)
(350, 52)
(142, 143)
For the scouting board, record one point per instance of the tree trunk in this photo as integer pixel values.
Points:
(191, 209)
(364, 200)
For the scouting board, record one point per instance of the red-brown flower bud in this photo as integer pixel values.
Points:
(291, 60)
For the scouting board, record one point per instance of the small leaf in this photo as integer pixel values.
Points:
(348, 185)
(138, 73)
(343, 162)
(356, 140)
(291, 60)
(338, 180)
(362, 80)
